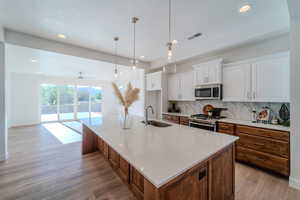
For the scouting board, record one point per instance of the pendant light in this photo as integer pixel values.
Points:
(116, 39)
(134, 61)
(170, 43)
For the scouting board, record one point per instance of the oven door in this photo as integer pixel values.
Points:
(205, 126)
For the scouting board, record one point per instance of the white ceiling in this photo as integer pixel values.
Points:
(94, 23)
(59, 65)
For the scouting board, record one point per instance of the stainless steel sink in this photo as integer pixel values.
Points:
(157, 123)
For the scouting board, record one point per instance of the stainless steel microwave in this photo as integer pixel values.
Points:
(208, 92)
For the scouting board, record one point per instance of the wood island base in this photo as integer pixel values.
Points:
(212, 179)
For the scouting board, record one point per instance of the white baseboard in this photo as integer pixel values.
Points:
(3, 157)
(294, 183)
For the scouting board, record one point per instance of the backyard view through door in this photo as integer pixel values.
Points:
(70, 102)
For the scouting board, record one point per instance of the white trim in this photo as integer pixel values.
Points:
(4, 157)
(256, 59)
(294, 183)
(25, 125)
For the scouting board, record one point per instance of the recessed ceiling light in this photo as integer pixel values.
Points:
(142, 57)
(245, 8)
(33, 60)
(62, 36)
(174, 41)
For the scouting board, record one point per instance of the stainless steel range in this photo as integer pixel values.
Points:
(204, 121)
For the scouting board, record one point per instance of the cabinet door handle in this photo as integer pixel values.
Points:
(254, 95)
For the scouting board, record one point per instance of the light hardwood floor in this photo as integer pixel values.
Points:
(40, 167)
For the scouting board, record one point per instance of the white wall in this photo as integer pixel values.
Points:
(295, 93)
(24, 101)
(24, 95)
(3, 129)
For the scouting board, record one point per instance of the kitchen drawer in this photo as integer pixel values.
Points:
(226, 128)
(175, 119)
(184, 121)
(167, 117)
(267, 145)
(279, 135)
(171, 118)
(267, 161)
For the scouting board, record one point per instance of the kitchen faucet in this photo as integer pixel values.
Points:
(146, 113)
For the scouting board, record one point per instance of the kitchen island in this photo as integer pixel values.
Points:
(169, 163)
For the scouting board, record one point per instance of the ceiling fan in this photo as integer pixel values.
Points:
(81, 77)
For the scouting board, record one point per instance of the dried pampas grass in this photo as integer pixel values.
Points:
(131, 95)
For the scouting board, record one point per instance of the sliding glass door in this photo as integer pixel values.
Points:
(83, 102)
(69, 102)
(66, 102)
(49, 102)
(96, 101)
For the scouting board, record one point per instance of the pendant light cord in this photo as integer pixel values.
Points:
(134, 61)
(116, 47)
(116, 50)
(170, 21)
(134, 20)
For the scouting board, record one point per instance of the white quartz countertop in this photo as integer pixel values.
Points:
(159, 154)
(259, 125)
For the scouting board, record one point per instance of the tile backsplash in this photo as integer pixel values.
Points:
(236, 110)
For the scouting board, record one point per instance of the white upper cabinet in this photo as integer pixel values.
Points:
(262, 80)
(187, 86)
(173, 86)
(154, 81)
(237, 83)
(271, 80)
(208, 73)
(181, 87)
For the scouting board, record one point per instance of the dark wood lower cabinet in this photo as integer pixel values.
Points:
(113, 158)
(212, 179)
(226, 128)
(100, 145)
(105, 150)
(264, 148)
(137, 183)
(176, 119)
(264, 160)
(124, 170)
(222, 178)
(193, 186)
(184, 121)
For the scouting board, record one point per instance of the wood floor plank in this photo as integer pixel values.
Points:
(40, 167)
